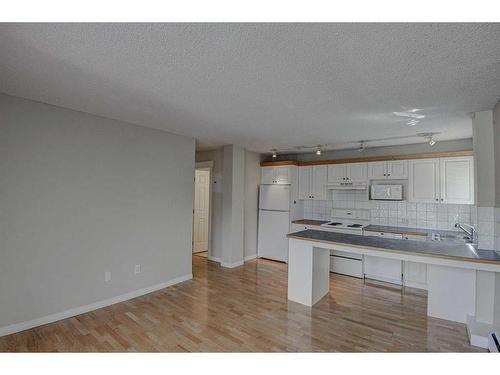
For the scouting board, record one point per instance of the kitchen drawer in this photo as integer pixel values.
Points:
(346, 266)
(396, 236)
(414, 237)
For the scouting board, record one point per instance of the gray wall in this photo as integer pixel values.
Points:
(252, 181)
(81, 195)
(458, 145)
(484, 160)
(496, 137)
(251, 186)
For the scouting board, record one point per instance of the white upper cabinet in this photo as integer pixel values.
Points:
(457, 180)
(319, 182)
(377, 170)
(388, 170)
(357, 172)
(397, 169)
(337, 172)
(444, 180)
(312, 182)
(423, 181)
(267, 175)
(305, 181)
(352, 172)
(276, 175)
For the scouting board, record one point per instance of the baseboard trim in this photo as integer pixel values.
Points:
(231, 265)
(18, 327)
(250, 257)
(214, 259)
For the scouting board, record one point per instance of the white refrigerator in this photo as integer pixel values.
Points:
(274, 222)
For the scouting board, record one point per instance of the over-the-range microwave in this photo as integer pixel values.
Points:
(386, 192)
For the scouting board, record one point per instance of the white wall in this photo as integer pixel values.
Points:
(81, 195)
(252, 181)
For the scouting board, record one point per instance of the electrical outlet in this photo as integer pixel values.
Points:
(107, 276)
(137, 269)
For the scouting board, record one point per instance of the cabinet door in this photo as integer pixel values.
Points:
(305, 177)
(397, 170)
(357, 172)
(457, 180)
(415, 274)
(337, 172)
(282, 175)
(267, 175)
(319, 180)
(423, 183)
(377, 170)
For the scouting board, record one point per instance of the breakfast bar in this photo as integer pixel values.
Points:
(461, 279)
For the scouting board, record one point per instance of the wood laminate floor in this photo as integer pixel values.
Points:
(246, 309)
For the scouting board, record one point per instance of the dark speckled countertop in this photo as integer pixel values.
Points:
(406, 230)
(442, 249)
(309, 222)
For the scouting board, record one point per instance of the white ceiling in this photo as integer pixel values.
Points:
(261, 86)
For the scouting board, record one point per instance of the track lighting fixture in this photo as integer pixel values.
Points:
(274, 153)
(318, 150)
(429, 137)
(361, 146)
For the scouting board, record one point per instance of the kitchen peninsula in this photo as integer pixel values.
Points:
(455, 271)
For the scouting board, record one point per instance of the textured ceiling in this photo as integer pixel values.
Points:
(261, 85)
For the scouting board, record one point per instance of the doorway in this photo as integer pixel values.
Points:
(202, 211)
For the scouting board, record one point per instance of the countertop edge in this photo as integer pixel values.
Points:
(458, 258)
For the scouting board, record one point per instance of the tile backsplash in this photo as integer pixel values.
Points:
(414, 215)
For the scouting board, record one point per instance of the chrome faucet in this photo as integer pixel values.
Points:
(469, 232)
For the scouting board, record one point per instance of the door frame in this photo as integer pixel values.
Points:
(207, 166)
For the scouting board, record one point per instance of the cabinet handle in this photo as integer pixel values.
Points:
(436, 199)
(388, 174)
(385, 174)
(442, 199)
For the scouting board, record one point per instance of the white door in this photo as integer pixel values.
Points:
(357, 172)
(274, 197)
(282, 175)
(272, 241)
(397, 170)
(423, 182)
(377, 170)
(305, 180)
(336, 172)
(267, 175)
(457, 180)
(201, 210)
(319, 177)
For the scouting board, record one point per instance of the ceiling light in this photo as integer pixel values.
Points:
(411, 115)
(274, 153)
(318, 150)
(432, 142)
(361, 146)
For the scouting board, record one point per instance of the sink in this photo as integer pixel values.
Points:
(455, 238)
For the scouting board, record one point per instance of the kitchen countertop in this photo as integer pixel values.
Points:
(309, 222)
(442, 249)
(406, 230)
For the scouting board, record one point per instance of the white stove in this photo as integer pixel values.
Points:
(350, 222)
(344, 226)
(347, 221)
